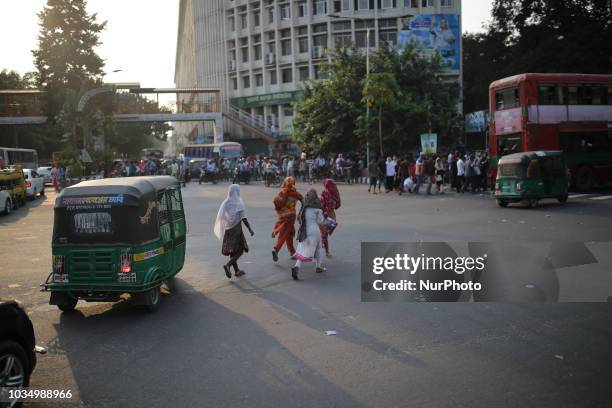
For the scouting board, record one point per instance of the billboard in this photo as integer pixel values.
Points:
(435, 33)
(429, 143)
(477, 122)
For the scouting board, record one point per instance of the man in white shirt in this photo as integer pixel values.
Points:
(460, 174)
(390, 174)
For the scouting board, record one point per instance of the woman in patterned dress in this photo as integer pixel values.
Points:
(330, 199)
(228, 228)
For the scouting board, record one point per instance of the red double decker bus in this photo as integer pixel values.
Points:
(568, 112)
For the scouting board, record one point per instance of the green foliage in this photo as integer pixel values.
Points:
(407, 95)
(547, 36)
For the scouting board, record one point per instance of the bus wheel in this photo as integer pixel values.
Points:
(152, 299)
(68, 307)
(502, 203)
(584, 179)
(563, 199)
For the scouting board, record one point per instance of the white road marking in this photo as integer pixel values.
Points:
(579, 195)
(601, 198)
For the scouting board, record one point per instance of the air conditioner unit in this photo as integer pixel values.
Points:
(270, 59)
(318, 51)
(232, 65)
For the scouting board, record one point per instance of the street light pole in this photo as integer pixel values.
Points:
(367, 105)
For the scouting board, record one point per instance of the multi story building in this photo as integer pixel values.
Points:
(259, 52)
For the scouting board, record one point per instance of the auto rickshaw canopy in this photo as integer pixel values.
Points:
(114, 211)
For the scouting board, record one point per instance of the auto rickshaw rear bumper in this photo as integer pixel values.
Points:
(97, 291)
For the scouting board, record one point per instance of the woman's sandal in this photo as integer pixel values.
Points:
(294, 273)
(239, 273)
(320, 270)
(228, 273)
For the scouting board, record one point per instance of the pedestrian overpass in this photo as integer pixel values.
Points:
(25, 107)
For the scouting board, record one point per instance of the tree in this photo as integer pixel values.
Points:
(547, 36)
(380, 91)
(67, 65)
(326, 117)
(408, 92)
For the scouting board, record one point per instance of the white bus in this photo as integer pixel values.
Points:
(27, 158)
(225, 150)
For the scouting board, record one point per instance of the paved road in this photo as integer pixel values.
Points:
(260, 340)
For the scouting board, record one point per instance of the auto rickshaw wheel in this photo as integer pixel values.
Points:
(502, 203)
(563, 199)
(533, 202)
(152, 297)
(68, 307)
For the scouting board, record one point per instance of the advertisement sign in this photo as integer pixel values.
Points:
(280, 98)
(508, 121)
(429, 143)
(434, 34)
(476, 122)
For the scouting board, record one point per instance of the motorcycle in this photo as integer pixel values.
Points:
(208, 177)
(243, 176)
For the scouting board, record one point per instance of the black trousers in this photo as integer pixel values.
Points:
(389, 183)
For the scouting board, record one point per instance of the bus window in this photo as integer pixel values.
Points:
(508, 144)
(572, 95)
(507, 98)
(550, 95)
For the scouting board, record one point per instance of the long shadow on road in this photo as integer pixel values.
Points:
(191, 352)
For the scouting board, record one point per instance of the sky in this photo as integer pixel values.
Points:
(140, 36)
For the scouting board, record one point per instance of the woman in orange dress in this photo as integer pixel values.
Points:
(284, 229)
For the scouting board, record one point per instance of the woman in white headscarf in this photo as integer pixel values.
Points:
(228, 229)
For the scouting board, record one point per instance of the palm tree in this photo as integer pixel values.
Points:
(380, 92)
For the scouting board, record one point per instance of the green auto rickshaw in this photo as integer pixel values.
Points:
(531, 176)
(116, 236)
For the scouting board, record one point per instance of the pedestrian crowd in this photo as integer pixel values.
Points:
(463, 172)
(316, 222)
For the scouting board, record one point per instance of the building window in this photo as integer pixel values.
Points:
(288, 110)
(232, 23)
(343, 40)
(246, 82)
(341, 5)
(234, 83)
(361, 39)
(271, 15)
(388, 37)
(256, 18)
(427, 3)
(341, 26)
(245, 54)
(287, 75)
(286, 47)
(243, 21)
(363, 4)
(303, 73)
(258, 80)
(319, 7)
(303, 45)
(285, 11)
(387, 4)
(321, 72)
(302, 9)
(446, 3)
(411, 3)
(272, 76)
(257, 52)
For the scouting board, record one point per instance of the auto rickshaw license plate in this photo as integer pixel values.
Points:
(127, 277)
(60, 278)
